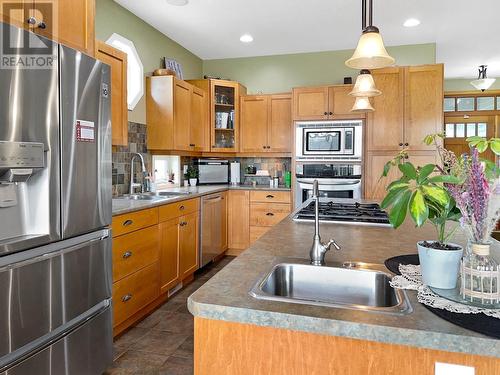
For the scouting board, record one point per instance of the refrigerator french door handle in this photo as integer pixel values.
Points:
(10, 360)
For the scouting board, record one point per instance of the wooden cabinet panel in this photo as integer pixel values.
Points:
(188, 244)
(423, 104)
(419, 159)
(257, 232)
(310, 103)
(160, 112)
(270, 196)
(70, 22)
(280, 126)
(176, 209)
(132, 221)
(199, 132)
(341, 103)
(254, 123)
(182, 114)
(134, 292)
(169, 255)
(375, 185)
(385, 126)
(16, 12)
(135, 250)
(117, 60)
(238, 219)
(268, 214)
(224, 220)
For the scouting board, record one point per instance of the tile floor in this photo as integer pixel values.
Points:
(162, 343)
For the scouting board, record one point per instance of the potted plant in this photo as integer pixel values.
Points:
(192, 175)
(422, 194)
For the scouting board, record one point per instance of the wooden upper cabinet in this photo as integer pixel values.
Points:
(176, 114)
(340, 103)
(200, 133)
(70, 22)
(117, 60)
(424, 104)
(182, 114)
(279, 132)
(310, 103)
(254, 112)
(385, 127)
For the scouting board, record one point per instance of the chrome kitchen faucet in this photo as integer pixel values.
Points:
(143, 167)
(318, 249)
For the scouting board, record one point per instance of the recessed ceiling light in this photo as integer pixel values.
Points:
(411, 22)
(177, 3)
(246, 38)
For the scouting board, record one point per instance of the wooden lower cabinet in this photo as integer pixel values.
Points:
(238, 219)
(268, 214)
(134, 292)
(227, 348)
(188, 244)
(169, 255)
(257, 232)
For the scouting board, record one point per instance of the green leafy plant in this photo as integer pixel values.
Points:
(191, 172)
(421, 193)
(482, 144)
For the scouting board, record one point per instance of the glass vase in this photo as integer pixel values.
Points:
(480, 275)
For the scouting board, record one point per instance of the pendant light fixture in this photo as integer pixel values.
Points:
(362, 105)
(365, 86)
(370, 52)
(483, 82)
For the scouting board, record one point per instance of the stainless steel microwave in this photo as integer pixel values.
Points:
(336, 139)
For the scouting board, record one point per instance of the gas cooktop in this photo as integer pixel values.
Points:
(346, 213)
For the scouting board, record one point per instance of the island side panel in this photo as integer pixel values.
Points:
(226, 348)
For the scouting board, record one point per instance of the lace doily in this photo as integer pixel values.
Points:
(411, 279)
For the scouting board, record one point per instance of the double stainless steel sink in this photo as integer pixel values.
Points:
(357, 286)
(162, 195)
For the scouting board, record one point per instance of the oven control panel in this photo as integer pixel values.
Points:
(21, 155)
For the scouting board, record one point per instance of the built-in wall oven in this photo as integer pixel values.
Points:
(330, 139)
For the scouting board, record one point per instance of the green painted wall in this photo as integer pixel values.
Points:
(273, 74)
(464, 85)
(149, 42)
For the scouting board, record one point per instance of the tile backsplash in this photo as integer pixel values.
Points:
(122, 155)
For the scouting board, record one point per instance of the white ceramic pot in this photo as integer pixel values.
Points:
(193, 181)
(439, 267)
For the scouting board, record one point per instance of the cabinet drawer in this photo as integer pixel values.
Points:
(257, 232)
(132, 221)
(173, 210)
(134, 292)
(268, 214)
(135, 250)
(270, 196)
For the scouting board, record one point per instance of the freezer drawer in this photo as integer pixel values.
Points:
(44, 289)
(87, 350)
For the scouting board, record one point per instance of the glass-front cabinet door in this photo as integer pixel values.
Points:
(225, 116)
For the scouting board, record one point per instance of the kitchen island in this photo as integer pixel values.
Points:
(238, 334)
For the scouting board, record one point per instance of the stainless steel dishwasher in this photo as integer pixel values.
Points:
(213, 227)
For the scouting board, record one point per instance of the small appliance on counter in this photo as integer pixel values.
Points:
(212, 171)
(235, 173)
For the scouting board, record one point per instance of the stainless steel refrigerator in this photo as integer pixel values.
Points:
(55, 208)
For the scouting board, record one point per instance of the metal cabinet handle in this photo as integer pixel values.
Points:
(128, 222)
(182, 223)
(331, 113)
(270, 214)
(400, 145)
(326, 113)
(270, 196)
(263, 146)
(42, 25)
(192, 145)
(181, 208)
(407, 144)
(268, 146)
(31, 21)
(127, 254)
(406, 156)
(127, 297)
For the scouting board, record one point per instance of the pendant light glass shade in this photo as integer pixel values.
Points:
(362, 105)
(365, 86)
(370, 52)
(483, 82)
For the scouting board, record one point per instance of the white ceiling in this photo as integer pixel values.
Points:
(466, 32)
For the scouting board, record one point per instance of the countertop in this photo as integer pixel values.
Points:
(123, 206)
(226, 295)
